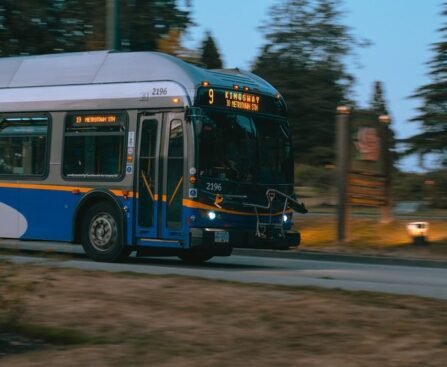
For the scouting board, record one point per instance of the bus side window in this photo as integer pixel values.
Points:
(23, 145)
(93, 146)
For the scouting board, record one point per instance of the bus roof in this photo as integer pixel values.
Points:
(103, 67)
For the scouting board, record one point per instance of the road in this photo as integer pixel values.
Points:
(294, 271)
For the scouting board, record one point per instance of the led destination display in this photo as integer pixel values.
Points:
(240, 100)
(95, 119)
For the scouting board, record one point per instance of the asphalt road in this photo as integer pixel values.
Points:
(426, 281)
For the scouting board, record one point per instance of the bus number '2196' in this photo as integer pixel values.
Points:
(159, 91)
(214, 186)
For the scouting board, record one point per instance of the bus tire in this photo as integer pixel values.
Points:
(195, 257)
(102, 235)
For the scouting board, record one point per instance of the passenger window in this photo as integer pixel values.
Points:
(93, 146)
(23, 145)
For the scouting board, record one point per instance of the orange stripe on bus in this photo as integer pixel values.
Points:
(58, 188)
(198, 205)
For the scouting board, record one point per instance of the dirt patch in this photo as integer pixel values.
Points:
(133, 320)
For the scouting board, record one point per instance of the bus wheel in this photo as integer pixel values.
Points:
(102, 237)
(195, 257)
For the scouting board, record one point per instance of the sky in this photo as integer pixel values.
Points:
(401, 32)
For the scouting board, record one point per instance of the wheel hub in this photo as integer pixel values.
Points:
(103, 231)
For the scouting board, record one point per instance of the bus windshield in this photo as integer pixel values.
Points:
(243, 147)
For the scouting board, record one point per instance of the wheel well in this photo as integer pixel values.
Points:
(85, 204)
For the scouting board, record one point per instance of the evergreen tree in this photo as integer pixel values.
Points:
(210, 56)
(146, 21)
(303, 58)
(433, 112)
(378, 104)
(23, 27)
(46, 26)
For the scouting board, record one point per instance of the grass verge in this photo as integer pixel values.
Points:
(369, 236)
(181, 321)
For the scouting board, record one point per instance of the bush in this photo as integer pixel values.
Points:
(319, 177)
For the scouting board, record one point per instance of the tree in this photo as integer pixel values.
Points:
(210, 56)
(378, 104)
(30, 27)
(23, 27)
(303, 57)
(45, 26)
(433, 111)
(146, 21)
(172, 44)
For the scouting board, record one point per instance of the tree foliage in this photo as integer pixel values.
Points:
(379, 105)
(428, 187)
(210, 55)
(433, 111)
(172, 44)
(46, 26)
(144, 22)
(304, 54)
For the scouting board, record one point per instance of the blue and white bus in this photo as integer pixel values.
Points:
(143, 152)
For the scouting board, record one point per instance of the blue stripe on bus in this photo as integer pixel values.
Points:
(51, 214)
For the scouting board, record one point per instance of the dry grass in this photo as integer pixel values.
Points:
(134, 320)
(368, 236)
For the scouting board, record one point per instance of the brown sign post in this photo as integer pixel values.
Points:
(342, 150)
(363, 162)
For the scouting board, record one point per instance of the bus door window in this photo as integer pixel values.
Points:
(174, 172)
(147, 163)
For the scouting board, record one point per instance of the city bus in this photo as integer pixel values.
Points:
(141, 151)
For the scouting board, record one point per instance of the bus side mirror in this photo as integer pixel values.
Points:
(296, 206)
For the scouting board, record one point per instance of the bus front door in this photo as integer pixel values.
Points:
(160, 180)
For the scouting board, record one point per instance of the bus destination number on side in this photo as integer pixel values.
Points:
(214, 186)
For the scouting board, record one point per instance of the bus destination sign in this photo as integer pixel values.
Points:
(239, 100)
(95, 119)
(233, 99)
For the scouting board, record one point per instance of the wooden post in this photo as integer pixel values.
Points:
(386, 211)
(343, 217)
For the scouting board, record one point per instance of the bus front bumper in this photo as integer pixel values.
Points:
(222, 241)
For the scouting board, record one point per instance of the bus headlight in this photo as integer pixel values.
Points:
(285, 218)
(212, 215)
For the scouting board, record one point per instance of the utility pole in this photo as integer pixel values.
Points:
(113, 37)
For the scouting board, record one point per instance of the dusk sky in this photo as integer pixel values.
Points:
(401, 32)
